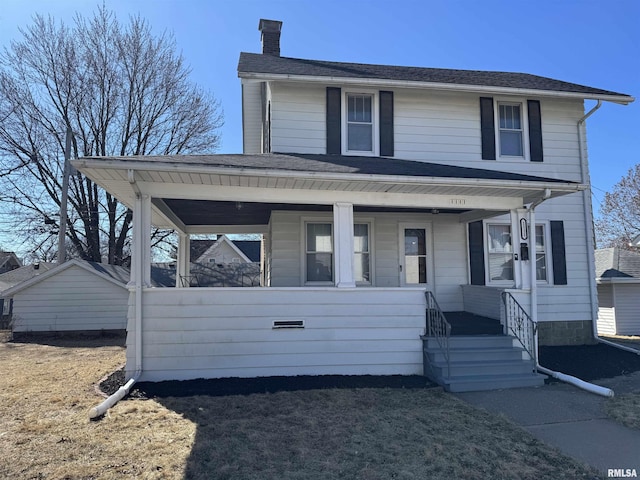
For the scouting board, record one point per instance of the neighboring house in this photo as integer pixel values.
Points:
(74, 296)
(16, 276)
(224, 251)
(618, 277)
(377, 189)
(8, 262)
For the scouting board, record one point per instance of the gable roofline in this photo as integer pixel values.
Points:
(6, 256)
(61, 268)
(220, 240)
(269, 68)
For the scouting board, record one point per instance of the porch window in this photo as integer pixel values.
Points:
(319, 252)
(361, 253)
(500, 253)
(541, 254)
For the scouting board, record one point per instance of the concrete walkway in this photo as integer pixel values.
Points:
(570, 419)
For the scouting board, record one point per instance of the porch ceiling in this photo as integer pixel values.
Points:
(180, 184)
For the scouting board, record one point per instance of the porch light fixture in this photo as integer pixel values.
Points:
(239, 206)
(435, 211)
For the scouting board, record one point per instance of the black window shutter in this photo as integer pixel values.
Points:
(487, 129)
(386, 124)
(558, 253)
(334, 138)
(476, 252)
(535, 130)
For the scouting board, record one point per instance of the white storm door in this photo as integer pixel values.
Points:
(416, 255)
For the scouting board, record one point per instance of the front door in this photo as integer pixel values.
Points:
(416, 258)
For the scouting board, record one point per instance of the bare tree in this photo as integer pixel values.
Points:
(122, 91)
(619, 221)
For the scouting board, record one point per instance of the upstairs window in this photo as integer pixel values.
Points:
(510, 130)
(360, 123)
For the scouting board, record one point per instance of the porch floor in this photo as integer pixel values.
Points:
(466, 323)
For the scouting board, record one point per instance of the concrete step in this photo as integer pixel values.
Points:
(474, 341)
(477, 354)
(477, 383)
(479, 368)
(480, 362)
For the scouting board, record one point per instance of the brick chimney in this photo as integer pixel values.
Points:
(270, 36)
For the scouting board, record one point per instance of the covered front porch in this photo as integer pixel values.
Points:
(383, 235)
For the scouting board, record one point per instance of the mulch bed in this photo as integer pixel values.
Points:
(218, 387)
(587, 362)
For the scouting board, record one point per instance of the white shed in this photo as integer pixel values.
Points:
(74, 296)
(618, 280)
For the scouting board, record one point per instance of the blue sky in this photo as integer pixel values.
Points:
(590, 42)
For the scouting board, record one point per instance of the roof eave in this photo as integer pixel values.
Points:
(620, 99)
(397, 179)
(610, 280)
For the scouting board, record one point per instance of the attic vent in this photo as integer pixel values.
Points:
(288, 324)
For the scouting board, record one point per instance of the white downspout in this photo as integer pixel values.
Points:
(589, 387)
(137, 270)
(588, 220)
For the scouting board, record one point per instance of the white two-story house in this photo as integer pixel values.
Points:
(394, 203)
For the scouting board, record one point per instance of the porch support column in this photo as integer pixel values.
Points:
(141, 251)
(520, 234)
(140, 277)
(183, 266)
(343, 245)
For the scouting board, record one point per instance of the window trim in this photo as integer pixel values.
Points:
(524, 114)
(329, 219)
(375, 123)
(487, 254)
(515, 250)
(303, 250)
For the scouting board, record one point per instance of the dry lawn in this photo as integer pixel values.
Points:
(46, 391)
(625, 409)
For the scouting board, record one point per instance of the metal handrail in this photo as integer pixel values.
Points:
(520, 324)
(438, 327)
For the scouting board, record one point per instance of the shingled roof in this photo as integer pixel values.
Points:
(253, 63)
(617, 263)
(331, 164)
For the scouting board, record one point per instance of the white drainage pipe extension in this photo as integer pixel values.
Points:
(589, 387)
(101, 409)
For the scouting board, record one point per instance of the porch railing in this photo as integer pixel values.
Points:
(519, 323)
(438, 327)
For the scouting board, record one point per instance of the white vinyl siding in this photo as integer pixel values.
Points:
(606, 310)
(227, 332)
(73, 299)
(627, 303)
(298, 119)
(431, 127)
(251, 117)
